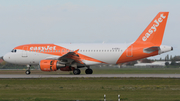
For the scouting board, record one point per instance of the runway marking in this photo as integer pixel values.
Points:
(92, 75)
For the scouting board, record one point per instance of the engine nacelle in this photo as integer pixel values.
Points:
(50, 65)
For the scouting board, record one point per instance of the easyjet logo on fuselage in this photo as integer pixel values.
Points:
(43, 48)
(154, 27)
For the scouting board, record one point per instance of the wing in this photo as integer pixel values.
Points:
(70, 57)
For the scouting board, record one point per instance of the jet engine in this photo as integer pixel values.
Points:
(50, 65)
(53, 65)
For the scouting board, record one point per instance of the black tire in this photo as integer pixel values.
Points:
(28, 72)
(89, 71)
(76, 71)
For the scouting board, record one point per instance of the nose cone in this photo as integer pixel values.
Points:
(7, 57)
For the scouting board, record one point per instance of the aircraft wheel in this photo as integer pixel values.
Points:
(76, 71)
(89, 71)
(28, 72)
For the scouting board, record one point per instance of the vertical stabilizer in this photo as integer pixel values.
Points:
(155, 30)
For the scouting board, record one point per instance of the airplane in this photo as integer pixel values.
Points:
(71, 57)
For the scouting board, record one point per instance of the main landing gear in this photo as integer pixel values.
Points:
(89, 71)
(28, 70)
(78, 71)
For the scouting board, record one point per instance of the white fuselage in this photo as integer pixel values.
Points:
(108, 53)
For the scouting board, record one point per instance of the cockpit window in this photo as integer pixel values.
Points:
(13, 51)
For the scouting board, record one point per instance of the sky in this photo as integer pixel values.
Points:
(84, 21)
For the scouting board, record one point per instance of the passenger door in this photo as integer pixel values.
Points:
(129, 51)
(24, 51)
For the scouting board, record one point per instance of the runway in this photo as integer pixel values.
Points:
(89, 76)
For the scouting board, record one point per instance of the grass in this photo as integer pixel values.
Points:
(55, 89)
(105, 71)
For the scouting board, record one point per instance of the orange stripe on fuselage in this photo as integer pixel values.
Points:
(53, 49)
(136, 53)
(44, 48)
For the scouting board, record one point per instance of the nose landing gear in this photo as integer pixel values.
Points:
(28, 70)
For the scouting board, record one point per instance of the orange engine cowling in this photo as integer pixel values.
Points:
(50, 65)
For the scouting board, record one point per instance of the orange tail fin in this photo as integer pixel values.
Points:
(155, 30)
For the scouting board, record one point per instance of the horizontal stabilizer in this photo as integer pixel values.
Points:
(151, 49)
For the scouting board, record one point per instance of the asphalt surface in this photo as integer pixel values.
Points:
(92, 75)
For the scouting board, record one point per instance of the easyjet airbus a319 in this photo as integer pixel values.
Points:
(71, 57)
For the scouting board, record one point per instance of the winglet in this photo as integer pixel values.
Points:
(76, 51)
(155, 30)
